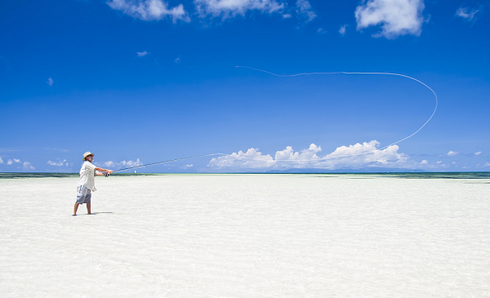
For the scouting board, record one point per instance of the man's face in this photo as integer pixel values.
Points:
(89, 158)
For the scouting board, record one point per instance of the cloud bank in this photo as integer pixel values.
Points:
(355, 156)
(396, 17)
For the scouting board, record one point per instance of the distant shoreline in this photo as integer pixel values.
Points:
(406, 175)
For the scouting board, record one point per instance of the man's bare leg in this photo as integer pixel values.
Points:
(89, 210)
(75, 208)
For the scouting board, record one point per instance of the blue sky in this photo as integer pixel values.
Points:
(140, 81)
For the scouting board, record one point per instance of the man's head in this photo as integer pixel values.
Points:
(88, 156)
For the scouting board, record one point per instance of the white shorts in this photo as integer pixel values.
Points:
(84, 195)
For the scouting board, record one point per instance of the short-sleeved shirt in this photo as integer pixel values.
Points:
(87, 176)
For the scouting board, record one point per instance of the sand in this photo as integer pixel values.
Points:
(246, 236)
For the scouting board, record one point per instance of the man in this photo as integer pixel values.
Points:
(86, 184)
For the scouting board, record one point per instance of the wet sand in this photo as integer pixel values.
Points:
(246, 236)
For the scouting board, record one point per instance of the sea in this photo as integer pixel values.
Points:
(404, 175)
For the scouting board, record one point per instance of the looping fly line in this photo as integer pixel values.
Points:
(362, 73)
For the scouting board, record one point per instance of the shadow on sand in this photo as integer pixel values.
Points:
(95, 213)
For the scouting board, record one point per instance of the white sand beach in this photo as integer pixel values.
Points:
(246, 236)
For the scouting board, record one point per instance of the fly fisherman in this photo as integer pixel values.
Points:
(86, 184)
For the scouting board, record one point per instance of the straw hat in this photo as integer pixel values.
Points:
(88, 153)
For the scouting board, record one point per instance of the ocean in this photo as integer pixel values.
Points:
(407, 175)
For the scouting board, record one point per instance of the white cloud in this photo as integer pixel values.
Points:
(109, 164)
(123, 164)
(1, 160)
(232, 8)
(188, 166)
(131, 163)
(142, 54)
(27, 166)
(250, 159)
(304, 10)
(9, 162)
(16, 160)
(57, 164)
(353, 156)
(465, 13)
(477, 153)
(149, 10)
(487, 164)
(343, 29)
(424, 162)
(50, 82)
(396, 17)
(452, 153)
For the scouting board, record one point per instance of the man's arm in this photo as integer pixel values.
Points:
(102, 170)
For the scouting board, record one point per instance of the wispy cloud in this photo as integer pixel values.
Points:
(478, 153)
(353, 157)
(231, 8)
(396, 17)
(59, 163)
(343, 29)
(452, 153)
(142, 54)
(149, 10)
(50, 82)
(1, 160)
(466, 13)
(305, 11)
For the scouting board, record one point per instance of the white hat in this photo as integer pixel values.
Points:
(88, 153)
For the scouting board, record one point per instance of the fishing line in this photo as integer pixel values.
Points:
(167, 161)
(326, 157)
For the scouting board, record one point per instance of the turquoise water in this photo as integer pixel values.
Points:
(439, 175)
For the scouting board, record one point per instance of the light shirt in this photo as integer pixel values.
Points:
(87, 176)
